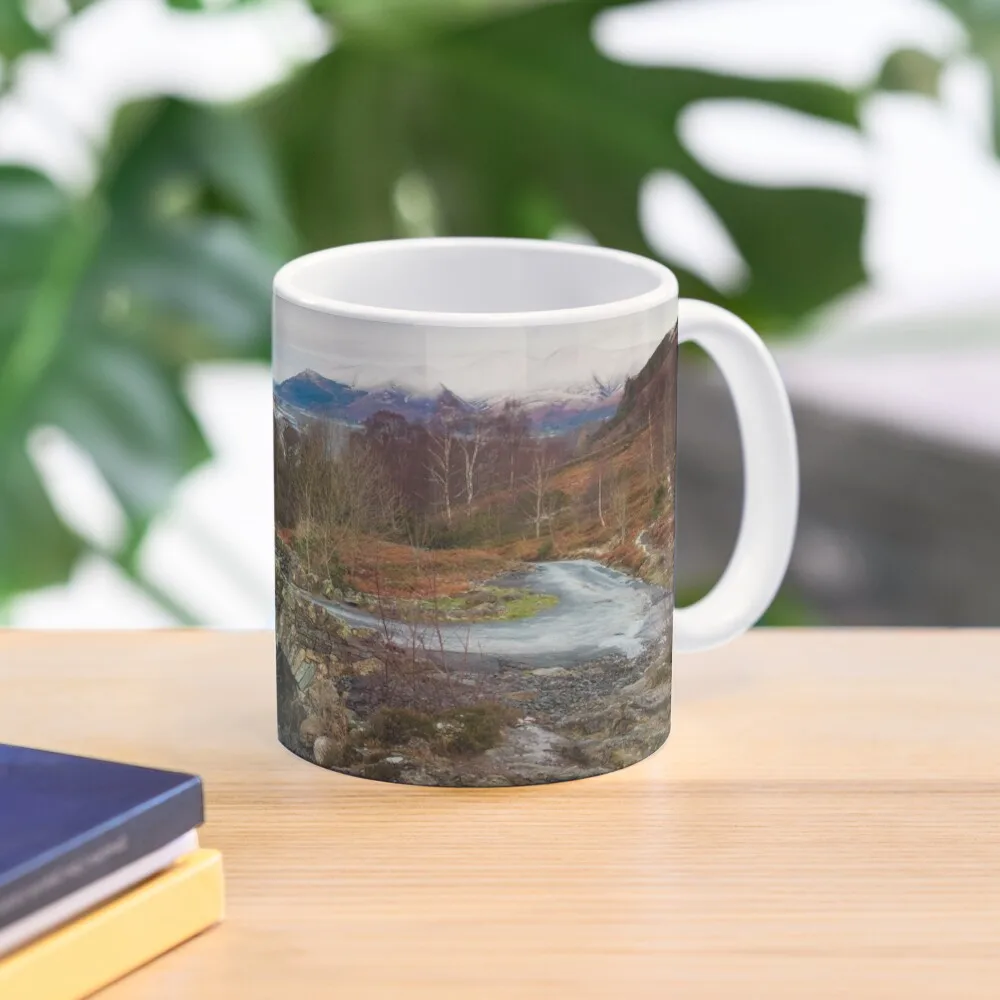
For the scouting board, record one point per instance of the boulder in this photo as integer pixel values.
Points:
(324, 702)
(324, 697)
(303, 669)
(366, 667)
(329, 666)
(311, 728)
(326, 752)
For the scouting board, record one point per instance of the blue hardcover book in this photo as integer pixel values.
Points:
(67, 821)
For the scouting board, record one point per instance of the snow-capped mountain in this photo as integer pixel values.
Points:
(549, 411)
(315, 395)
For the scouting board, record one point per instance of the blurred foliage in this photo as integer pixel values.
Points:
(17, 34)
(911, 70)
(495, 117)
(919, 72)
(104, 302)
(516, 124)
(982, 19)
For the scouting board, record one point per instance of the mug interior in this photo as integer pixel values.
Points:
(469, 276)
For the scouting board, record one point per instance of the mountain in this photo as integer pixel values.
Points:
(645, 393)
(553, 411)
(310, 391)
(310, 395)
(567, 416)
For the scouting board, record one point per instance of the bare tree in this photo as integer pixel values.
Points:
(441, 461)
(403, 448)
(471, 444)
(309, 471)
(343, 492)
(286, 447)
(601, 472)
(651, 457)
(513, 430)
(538, 483)
(619, 503)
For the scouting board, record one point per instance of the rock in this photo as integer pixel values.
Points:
(323, 701)
(325, 752)
(366, 667)
(303, 669)
(324, 697)
(395, 759)
(623, 722)
(311, 728)
(418, 777)
(551, 672)
(493, 781)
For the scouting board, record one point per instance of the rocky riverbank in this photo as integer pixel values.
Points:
(359, 704)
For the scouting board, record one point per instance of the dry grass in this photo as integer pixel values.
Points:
(579, 532)
(392, 570)
(375, 566)
(456, 732)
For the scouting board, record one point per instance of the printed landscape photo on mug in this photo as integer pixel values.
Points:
(474, 462)
(474, 579)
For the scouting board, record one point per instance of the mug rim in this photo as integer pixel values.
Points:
(666, 290)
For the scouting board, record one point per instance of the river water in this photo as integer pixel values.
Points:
(600, 612)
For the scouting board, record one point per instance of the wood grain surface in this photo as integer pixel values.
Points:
(823, 822)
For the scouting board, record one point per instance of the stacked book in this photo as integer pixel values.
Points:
(100, 871)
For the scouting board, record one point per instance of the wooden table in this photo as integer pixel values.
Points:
(823, 822)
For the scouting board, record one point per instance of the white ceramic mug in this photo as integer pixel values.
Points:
(474, 504)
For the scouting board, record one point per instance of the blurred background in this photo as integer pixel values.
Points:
(826, 168)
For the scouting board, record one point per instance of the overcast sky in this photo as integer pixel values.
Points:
(475, 364)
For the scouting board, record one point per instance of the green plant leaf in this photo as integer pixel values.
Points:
(104, 303)
(17, 34)
(914, 71)
(911, 70)
(335, 131)
(36, 548)
(388, 20)
(197, 5)
(517, 121)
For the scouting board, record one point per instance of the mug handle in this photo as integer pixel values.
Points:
(771, 480)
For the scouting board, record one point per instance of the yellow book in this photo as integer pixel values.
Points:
(109, 942)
